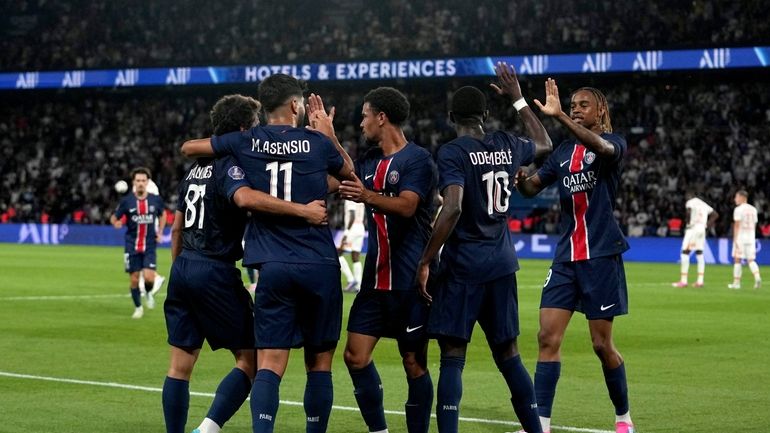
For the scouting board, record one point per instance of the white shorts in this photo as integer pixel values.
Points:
(745, 250)
(354, 238)
(694, 240)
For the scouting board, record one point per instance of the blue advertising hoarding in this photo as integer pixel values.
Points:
(538, 64)
(534, 246)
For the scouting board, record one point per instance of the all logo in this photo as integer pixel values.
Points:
(589, 157)
(393, 177)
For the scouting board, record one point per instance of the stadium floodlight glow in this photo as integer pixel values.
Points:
(538, 64)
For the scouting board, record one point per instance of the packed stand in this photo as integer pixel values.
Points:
(62, 155)
(44, 35)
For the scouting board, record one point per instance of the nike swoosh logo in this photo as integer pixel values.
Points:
(603, 308)
(369, 176)
(408, 329)
(563, 163)
(132, 209)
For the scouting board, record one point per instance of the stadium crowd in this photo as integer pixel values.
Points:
(44, 35)
(62, 153)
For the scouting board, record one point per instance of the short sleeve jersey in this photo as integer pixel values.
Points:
(142, 216)
(213, 225)
(291, 164)
(746, 216)
(587, 184)
(699, 213)
(396, 243)
(354, 213)
(480, 248)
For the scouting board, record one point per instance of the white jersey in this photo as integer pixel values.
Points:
(746, 216)
(699, 213)
(357, 209)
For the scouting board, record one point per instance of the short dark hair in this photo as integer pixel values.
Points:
(389, 101)
(468, 105)
(743, 192)
(141, 170)
(276, 89)
(233, 112)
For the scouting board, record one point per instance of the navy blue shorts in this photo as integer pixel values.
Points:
(457, 306)
(298, 305)
(137, 262)
(399, 314)
(595, 287)
(206, 300)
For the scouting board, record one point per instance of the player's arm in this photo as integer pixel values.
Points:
(161, 225)
(258, 201)
(115, 217)
(197, 148)
(508, 85)
(528, 186)
(445, 223)
(713, 216)
(351, 218)
(403, 205)
(323, 122)
(176, 235)
(688, 216)
(588, 138)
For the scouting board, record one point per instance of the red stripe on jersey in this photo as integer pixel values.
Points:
(579, 238)
(141, 229)
(382, 280)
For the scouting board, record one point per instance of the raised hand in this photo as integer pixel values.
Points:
(318, 118)
(552, 105)
(508, 82)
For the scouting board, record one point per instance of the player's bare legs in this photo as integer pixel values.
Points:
(613, 368)
(419, 402)
(366, 380)
(136, 296)
(553, 324)
(176, 388)
(271, 366)
(149, 281)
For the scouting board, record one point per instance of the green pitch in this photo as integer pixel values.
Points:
(72, 359)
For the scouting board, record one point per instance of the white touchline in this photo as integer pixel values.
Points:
(285, 402)
(66, 297)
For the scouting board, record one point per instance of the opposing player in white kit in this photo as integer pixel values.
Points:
(152, 188)
(744, 241)
(699, 216)
(352, 241)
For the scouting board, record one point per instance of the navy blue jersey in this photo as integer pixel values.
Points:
(291, 164)
(141, 220)
(480, 248)
(213, 224)
(396, 243)
(587, 186)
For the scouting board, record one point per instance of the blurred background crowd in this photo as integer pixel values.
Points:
(62, 151)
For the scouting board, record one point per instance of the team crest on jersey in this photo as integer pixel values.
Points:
(393, 177)
(152, 209)
(236, 173)
(590, 157)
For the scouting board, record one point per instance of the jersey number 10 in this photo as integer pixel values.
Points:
(498, 192)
